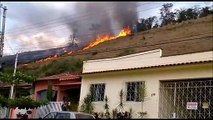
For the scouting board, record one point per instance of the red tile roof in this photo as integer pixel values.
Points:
(75, 83)
(62, 76)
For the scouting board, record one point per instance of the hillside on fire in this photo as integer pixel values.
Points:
(174, 39)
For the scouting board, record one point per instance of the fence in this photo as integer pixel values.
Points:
(43, 110)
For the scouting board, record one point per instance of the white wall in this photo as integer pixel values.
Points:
(144, 59)
(115, 81)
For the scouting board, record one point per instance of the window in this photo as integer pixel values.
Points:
(43, 95)
(98, 92)
(133, 91)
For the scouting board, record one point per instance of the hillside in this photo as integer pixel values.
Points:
(27, 57)
(186, 37)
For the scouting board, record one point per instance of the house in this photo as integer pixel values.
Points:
(178, 86)
(63, 85)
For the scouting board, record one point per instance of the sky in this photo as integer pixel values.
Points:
(34, 26)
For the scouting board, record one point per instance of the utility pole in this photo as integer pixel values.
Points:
(14, 73)
(12, 95)
(3, 29)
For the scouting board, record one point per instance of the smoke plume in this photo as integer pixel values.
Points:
(101, 18)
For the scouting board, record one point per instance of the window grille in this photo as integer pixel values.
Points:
(98, 92)
(133, 91)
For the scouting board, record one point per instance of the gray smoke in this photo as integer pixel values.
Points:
(86, 20)
(101, 18)
(125, 13)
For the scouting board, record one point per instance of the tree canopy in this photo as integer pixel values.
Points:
(23, 101)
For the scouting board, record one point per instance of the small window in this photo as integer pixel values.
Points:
(133, 91)
(98, 92)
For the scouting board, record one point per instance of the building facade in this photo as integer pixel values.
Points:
(173, 84)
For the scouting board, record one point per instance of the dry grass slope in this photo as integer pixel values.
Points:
(187, 37)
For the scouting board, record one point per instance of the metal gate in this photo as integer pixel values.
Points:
(174, 96)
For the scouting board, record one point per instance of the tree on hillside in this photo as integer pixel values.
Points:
(146, 24)
(188, 14)
(22, 101)
(156, 24)
(205, 12)
(167, 16)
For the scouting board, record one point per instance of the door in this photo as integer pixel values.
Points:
(186, 99)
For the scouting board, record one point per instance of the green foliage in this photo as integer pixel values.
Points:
(49, 91)
(87, 105)
(9, 78)
(25, 102)
(121, 95)
(25, 78)
(187, 14)
(21, 103)
(143, 96)
(167, 16)
(143, 92)
(106, 107)
(4, 77)
(61, 66)
(3, 101)
(205, 12)
(146, 24)
(114, 113)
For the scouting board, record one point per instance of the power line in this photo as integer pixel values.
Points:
(22, 48)
(49, 23)
(79, 35)
(139, 45)
(76, 20)
(54, 20)
(9, 46)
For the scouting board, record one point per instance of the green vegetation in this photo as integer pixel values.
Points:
(21, 101)
(49, 91)
(171, 17)
(143, 96)
(87, 105)
(57, 66)
(106, 107)
(167, 16)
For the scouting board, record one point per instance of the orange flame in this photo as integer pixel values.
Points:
(47, 59)
(69, 53)
(123, 33)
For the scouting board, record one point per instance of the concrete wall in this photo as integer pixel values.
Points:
(115, 81)
(144, 59)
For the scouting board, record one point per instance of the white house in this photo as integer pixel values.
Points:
(178, 86)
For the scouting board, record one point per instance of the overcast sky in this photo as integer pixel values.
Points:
(41, 25)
